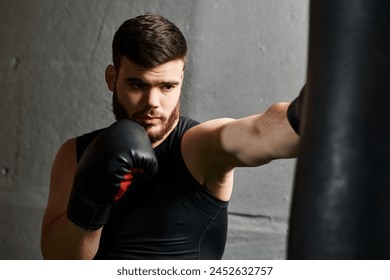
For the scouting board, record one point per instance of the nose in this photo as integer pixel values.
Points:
(152, 97)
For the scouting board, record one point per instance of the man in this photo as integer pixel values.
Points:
(114, 197)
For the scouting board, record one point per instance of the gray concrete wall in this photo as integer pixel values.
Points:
(244, 56)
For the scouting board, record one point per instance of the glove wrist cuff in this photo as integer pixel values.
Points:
(292, 115)
(85, 213)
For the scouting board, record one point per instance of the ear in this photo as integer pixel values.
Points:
(110, 77)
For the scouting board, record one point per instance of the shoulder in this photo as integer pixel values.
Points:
(63, 169)
(206, 159)
(61, 180)
(66, 155)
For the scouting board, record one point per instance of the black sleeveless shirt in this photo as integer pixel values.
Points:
(170, 216)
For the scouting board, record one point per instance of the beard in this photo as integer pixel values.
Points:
(167, 123)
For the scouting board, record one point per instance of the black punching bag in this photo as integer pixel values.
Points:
(341, 197)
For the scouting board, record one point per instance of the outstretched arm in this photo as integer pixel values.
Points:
(213, 149)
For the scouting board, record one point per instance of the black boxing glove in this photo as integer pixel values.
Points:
(294, 110)
(115, 159)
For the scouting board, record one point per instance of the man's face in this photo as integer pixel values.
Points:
(148, 97)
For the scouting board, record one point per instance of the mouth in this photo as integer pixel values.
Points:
(148, 120)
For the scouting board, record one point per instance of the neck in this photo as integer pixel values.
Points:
(155, 144)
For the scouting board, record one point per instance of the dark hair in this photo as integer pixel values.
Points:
(148, 40)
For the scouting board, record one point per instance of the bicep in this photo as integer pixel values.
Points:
(61, 182)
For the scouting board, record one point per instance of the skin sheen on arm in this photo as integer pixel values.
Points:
(60, 238)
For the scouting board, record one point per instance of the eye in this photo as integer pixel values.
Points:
(167, 88)
(137, 85)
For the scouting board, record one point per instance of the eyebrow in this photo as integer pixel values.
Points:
(139, 81)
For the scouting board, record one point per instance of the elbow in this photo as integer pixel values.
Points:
(45, 251)
(43, 242)
(63, 240)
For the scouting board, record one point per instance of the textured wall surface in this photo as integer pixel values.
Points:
(244, 56)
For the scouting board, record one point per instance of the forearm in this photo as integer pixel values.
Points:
(62, 239)
(259, 139)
